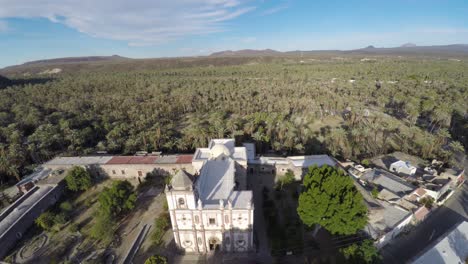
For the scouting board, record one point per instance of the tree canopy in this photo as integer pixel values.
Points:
(330, 199)
(156, 259)
(284, 106)
(363, 252)
(118, 199)
(78, 179)
(286, 179)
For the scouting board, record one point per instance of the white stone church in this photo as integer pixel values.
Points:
(213, 210)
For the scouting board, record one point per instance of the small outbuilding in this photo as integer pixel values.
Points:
(403, 167)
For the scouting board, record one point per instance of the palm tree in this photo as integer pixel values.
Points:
(7, 166)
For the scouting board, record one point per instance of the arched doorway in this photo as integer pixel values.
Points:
(214, 243)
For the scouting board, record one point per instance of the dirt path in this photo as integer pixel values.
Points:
(149, 206)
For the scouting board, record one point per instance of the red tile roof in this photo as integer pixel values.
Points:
(421, 213)
(421, 192)
(184, 159)
(132, 160)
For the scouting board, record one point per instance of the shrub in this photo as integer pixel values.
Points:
(161, 224)
(365, 162)
(287, 179)
(60, 219)
(45, 221)
(66, 207)
(78, 179)
(74, 228)
(156, 259)
(364, 252)
(103, 228)
(427, 201)
(88, 202)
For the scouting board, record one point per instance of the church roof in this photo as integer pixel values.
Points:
(181, 181)
(216, 180)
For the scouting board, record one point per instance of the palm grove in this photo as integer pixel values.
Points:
(416, 106)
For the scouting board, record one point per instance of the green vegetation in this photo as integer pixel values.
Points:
(284, 228)
(364, 252)
(375, 192)
(287, 179)
(427, 201)
(50, 221)
(103, 229)
(45, 220)
(118, 199)
(330, 199)
(66, 207)
(284, 106)
(114, 202)
(78, 179)
(7, 166)
(157, 259)
(161, 224)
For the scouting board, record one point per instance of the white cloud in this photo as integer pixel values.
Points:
(273, 10)
(3, 26)
(139, 22)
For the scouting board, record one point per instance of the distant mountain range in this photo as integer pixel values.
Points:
(76, 60)
(405, 49)
(55, 66)
(247, 52)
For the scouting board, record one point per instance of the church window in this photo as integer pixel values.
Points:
(212, 221)
(197, 219)
(123, 172)
(199, 241)
(140, 173)
(181, 202)
(113, 172)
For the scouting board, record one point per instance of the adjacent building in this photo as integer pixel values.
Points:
(20, 215)
(403, 168)
(452, 247)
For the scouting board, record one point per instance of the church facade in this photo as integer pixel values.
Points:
(213, 210)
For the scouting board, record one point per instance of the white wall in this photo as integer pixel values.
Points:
(394, 232)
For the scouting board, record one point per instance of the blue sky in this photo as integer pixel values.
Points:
(33, 29)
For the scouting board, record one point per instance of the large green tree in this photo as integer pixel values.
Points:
(330, 199)
(118, 199)
(78, 179)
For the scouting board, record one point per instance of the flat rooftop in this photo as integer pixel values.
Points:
(81, 160)
(116, 160)
(388, 181)
(385, 219)
(450, 248)
(22, 207)
(311, 160)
